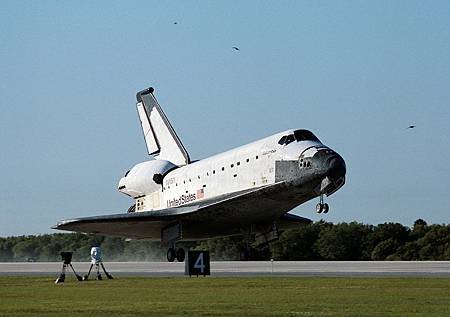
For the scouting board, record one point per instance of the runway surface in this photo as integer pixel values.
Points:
(263, 268)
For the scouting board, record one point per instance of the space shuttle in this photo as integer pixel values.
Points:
(247, 191)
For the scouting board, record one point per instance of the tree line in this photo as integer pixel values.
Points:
(318, 241)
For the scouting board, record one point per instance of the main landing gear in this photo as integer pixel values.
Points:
(322, 207)
(176, 253)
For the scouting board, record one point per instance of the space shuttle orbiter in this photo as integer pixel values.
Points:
(247, 191)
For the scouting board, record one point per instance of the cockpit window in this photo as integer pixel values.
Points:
(126, 174)
(290, 138)
(305, 135)
(282, 140)
(286, 139)
(299, 135)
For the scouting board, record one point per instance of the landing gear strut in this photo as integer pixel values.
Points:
(176, 253)
(256, 239)
(322, 207)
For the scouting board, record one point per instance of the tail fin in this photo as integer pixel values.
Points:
(160, 137)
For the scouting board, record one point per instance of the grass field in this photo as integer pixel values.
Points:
(220, 296)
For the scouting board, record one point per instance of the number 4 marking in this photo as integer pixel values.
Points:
(199, 263)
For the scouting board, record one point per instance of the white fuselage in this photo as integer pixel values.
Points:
(245, 167)
(245, 191)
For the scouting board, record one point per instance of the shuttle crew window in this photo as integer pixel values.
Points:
(290, 138)
(282, 140)
(305, 135)
(286, 139)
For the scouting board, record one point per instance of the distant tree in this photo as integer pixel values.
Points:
(386, 248)
(344, 241)
(220, 249)
(112, 247)
(409, 251)
(298, 244)
(446, 255)
(419, 223)
(318, 241)
(395, 231)
(50, 248)
(27, 248)
(6, 252)
(420, 228)
(142, 250)
(435, 243)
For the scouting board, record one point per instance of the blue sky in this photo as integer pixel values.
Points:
(355, 73)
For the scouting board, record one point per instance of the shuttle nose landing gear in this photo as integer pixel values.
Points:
(322, 207)
(176, 253)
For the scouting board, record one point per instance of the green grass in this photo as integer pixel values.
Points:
(223, 296)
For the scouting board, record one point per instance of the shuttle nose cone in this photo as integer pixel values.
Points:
(336, 167)
(330, 169)
(330, 164)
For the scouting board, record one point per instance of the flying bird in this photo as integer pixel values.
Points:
(411, 127)
(236, 48)
(175, 22)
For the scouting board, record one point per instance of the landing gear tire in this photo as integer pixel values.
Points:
(180, 255)
(171, 255)
(319, 208)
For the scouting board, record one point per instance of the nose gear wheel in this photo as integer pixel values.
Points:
(322, 207)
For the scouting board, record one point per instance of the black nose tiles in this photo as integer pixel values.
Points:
(336, 167)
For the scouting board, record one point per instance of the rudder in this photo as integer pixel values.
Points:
(160, 137)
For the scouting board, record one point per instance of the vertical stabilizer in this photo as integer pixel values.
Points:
(160, 137)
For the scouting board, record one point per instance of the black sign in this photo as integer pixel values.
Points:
(197, 263)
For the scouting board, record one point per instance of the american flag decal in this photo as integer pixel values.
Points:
(200, 193)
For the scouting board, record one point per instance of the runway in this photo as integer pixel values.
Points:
(260, 268)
